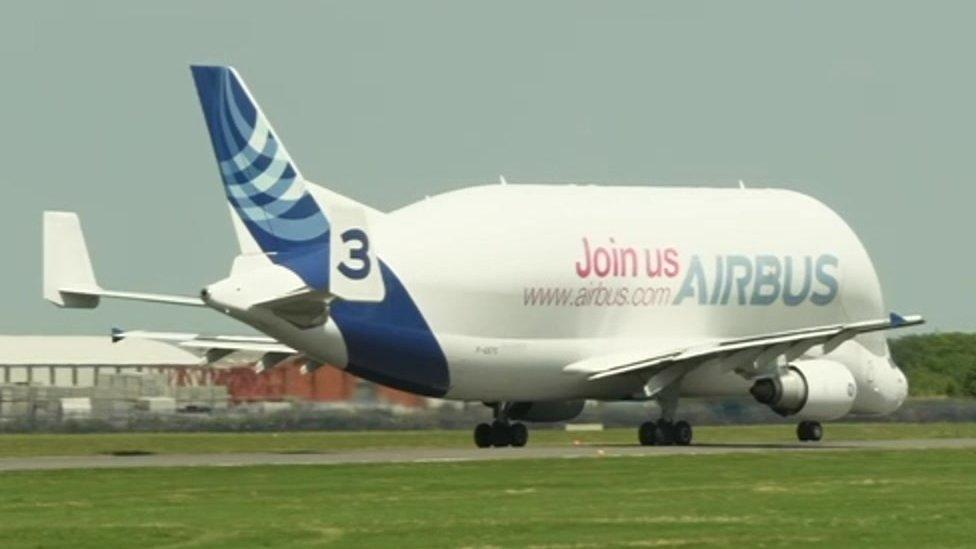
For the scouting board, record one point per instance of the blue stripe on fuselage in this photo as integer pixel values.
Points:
(390, 343)
(311, 264)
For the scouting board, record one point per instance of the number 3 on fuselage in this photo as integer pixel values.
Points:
(354, 273)
(358, 256)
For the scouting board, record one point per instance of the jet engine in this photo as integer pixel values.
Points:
(554, 410)
(815, 389)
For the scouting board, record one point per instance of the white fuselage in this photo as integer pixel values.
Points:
(515, 282)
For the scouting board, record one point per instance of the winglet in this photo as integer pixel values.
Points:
(899, 321)
(69, 280)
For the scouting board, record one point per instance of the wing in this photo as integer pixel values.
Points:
(264, 350)
(665, 367)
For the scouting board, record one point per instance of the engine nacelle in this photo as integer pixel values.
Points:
(815, 389)
(553, 410)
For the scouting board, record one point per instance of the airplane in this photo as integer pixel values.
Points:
(532, 298)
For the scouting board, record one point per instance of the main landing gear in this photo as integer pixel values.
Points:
(664, 433)
(500, 432)
(809, 431)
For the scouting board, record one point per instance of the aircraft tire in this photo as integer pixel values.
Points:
(801, 431)
(814, 431)
(483, 435)
(647, 433)
(518, 434)
(809, 431)
(665, 433)
(501, 434)
(682, 433)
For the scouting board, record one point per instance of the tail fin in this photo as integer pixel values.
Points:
(273, 202)
(262, 182)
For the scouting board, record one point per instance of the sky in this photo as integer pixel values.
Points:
(868, 106)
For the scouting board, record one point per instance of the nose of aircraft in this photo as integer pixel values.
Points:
(892, 388)
(902, 386)
(884, 390)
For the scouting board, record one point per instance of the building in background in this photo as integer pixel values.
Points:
(77, 361)
(85, 376)
(287, 381)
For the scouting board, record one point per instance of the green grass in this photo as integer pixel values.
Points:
(857, 498)
(18, 445)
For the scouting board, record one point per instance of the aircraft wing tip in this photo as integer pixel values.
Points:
(898, 320)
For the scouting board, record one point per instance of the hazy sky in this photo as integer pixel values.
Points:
(869, 106)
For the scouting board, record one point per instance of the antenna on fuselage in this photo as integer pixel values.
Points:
(742, 184)
(501, 180)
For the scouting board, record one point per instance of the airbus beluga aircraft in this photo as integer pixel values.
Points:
(533, 298)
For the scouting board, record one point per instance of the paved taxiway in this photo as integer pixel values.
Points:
(433, 455)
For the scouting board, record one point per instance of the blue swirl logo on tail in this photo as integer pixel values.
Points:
(260, 178)
(389, 341)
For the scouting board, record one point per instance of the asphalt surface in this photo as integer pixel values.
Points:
(433, 455)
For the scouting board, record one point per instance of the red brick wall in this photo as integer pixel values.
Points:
(325, 384)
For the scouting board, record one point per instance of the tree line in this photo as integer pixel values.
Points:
(942, 364)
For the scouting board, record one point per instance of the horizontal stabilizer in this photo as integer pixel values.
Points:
(69, 280)
(265, 351)
(258, 344)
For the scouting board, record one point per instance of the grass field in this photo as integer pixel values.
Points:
(901, 498)
(858, 498)
(16, 445)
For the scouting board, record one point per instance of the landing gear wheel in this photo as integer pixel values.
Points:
(665, 433)
(815, 431)
(681, 433)
(811, 431)
(647, 433)
(501, 434)
(518, 435)
(483, 435)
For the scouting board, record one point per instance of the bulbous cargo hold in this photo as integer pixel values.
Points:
(649, 262)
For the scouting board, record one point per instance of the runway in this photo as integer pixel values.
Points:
(452, 455)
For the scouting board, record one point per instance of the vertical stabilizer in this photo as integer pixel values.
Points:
(261, 181)
(278, 216)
